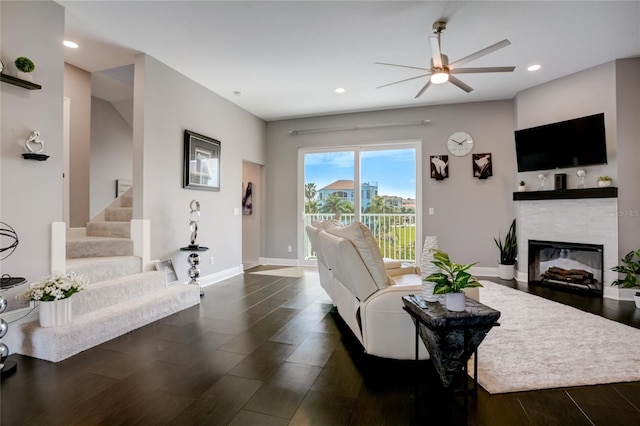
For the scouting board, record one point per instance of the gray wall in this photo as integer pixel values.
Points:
(77, 87)
(588, 92)
(628, 158)
(612, 88)
(165, 104)
(31, 190)
(111, 152)
(468, 212)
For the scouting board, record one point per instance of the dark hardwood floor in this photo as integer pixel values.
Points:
(270, 350)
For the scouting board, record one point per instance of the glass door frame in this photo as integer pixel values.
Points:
(414, 144)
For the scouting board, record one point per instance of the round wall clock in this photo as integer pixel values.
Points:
(460, 144)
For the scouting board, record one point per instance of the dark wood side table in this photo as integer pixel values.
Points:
(451, 337)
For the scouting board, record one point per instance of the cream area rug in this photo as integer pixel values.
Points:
(542, 344)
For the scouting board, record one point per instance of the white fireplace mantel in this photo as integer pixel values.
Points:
(571, 216)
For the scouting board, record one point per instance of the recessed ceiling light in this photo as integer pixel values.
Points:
(70, 44)
(535, 67)
(341, 90)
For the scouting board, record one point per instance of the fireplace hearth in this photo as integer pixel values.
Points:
(573, 267)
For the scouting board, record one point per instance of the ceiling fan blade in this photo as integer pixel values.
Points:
(481, 70)
(424, 89)
(460, 84)
(479, 53)
(402, 81)
(403, 66)
(436, 55)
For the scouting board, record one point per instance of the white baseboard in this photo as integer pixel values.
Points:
(484, 271)
(216, 277)
(278, 262)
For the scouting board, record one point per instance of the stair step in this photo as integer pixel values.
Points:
(97, 269)
(109, 229)
(93, 328)
(126, 201)
(118, 214)
(98, 247)
(107, 293)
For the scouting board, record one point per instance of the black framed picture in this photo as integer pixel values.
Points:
(439, 166)
(482, 167)
(201, 162)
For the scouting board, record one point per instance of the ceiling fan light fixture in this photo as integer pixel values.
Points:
(439, 77)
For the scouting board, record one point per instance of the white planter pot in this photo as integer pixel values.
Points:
(604, 183)
(24, 76)
(53, 314)
(455, 302)
(637, 300)
(506, 272)
(522, 188)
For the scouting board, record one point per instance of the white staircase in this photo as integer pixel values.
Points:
(120, 297)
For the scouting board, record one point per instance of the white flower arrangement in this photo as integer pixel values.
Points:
(53, 287)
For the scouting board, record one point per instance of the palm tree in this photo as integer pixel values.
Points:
(310, 191)
(334, 204)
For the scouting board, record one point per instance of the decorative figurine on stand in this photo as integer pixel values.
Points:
(193, 247)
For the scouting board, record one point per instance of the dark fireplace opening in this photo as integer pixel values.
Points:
(569, 266)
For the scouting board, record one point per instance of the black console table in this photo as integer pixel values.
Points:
(7, 366)
(451, 337)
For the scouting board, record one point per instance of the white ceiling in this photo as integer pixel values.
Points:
(285, 58)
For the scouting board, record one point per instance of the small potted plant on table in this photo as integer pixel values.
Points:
(453, 278)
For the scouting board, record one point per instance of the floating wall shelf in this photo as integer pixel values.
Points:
(567, 194)
(20, 83)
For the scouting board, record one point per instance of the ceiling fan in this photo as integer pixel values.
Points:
(442, 71)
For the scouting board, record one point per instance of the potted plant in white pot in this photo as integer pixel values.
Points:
(631, 269)
(604, 181)
(508, 253)
(522, 186)
(451, 280)
(53, 293)
(25, 67)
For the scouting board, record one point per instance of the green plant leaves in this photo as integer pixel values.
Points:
(453, 278)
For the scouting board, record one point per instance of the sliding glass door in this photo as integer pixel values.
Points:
(376, 185)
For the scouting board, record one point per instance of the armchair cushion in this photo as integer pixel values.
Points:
(367, 247)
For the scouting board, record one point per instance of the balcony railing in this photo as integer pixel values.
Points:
(394, 232)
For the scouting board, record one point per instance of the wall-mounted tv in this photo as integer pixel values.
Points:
(572, 143)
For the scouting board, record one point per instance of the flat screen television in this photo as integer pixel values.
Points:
(572, 143)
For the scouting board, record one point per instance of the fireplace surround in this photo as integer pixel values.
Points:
(583, 216)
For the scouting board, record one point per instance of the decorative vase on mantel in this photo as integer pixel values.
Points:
(427, 268)
(55, 313)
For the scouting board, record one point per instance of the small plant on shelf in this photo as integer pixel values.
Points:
(24, 64)
(604, 181)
